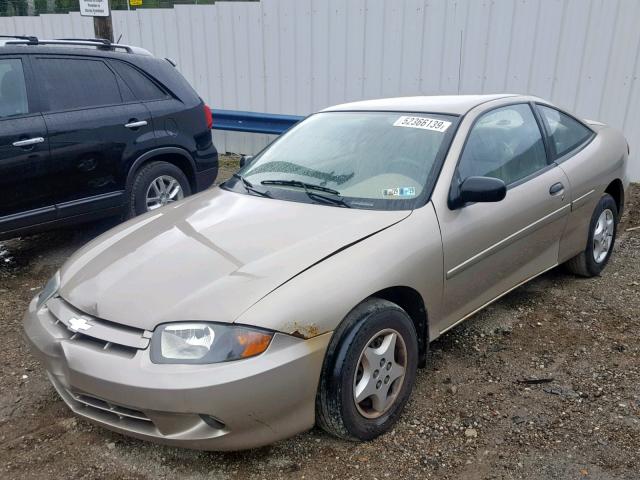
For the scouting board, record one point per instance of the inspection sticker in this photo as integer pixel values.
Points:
(423, 123)
(399, 192)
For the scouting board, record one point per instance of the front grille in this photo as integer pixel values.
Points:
(122, 350)
(116, 410)
(104, 411)
(151, 423)
(102, 334)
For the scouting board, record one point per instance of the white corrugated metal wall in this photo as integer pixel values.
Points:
(297, 56)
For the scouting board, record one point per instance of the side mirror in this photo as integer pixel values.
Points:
(245, 160)
(480, 189)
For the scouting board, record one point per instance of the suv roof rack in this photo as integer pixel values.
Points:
(104, 41)
(100, 43)
(21, 37)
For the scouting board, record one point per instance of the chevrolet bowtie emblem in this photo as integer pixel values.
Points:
(76, 324)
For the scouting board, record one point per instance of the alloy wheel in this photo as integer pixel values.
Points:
(603, 235)
(380, 373)
(163, 190)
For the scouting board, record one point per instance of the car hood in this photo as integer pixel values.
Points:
(209, 257)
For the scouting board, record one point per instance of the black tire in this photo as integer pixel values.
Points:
(142, 181)
(336, 410)
(584, 264)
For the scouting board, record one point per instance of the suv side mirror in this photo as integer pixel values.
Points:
(479, 189)
(245, 160)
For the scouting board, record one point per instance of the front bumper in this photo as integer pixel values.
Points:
(227, 406)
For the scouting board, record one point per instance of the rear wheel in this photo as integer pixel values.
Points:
(602, 235)
(155, 185)
(369, 371)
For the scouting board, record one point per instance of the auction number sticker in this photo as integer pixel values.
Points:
(423, 123)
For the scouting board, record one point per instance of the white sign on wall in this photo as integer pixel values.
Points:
(94, 8)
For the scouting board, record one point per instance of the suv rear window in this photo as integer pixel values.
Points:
(78, 83)
(143, 88)
(13, 91)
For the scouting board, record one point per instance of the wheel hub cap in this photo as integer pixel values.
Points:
(380, 373)
(163, 190)
(603, 236)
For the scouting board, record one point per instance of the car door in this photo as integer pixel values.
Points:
(176, 122)
(568, 138)
(93, 130)
(490, 248)
(24, 150)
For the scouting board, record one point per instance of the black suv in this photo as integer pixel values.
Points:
(90, 129)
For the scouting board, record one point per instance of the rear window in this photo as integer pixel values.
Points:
(13, 91)
(143, 88)
(565, 132)
(78, 83)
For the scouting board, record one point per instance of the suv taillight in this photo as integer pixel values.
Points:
(208, 116)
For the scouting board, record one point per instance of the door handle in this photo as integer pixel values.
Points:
(29, 142)
(136, 124)
(556, 189)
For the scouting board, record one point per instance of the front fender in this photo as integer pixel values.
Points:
(314, 302)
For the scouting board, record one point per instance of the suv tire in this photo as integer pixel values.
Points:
(153, 179)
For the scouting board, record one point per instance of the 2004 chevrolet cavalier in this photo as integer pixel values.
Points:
(307, 288)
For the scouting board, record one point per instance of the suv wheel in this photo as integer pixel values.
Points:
(155, 185)
(368, 372)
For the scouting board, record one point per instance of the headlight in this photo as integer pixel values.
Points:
(200, 342)
(49, 290)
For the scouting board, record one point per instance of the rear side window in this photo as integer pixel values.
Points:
(78, 83)
(143, 88)
(13, 90)
(566, 133)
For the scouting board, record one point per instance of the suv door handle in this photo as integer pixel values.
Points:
(136, 124)
(29, 142)
(556, 189)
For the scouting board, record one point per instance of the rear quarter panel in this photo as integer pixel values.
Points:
(590, 171)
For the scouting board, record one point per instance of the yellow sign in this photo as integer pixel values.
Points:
(135, 3)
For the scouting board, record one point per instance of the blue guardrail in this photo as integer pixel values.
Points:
(253, 122)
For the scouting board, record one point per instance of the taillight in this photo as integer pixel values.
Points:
(208, 116)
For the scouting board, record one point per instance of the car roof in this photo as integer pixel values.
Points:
(451, 104)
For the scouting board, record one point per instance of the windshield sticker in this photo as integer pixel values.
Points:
(423, 123)
(399, 192)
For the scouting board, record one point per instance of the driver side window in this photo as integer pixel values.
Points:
(504, 143)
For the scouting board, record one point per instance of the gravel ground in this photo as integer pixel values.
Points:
(475, 412)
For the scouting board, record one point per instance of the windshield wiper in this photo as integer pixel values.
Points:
(297, 183)
(249, 186)
(308, 187)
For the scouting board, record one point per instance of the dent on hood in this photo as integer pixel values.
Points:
(210, 258)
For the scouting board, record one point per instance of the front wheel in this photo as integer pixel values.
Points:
(602, 234)
(368, 372)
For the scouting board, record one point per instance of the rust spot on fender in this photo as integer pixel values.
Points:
(305, 331)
